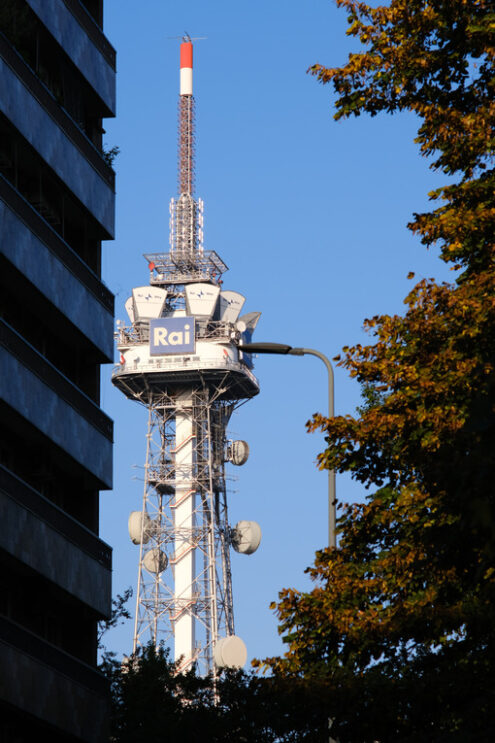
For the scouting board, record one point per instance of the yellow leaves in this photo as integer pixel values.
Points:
(422, 375)
(399, 574)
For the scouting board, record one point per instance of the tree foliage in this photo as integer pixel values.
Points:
(118, 616)
(435, 58)
(152, 703)
(401, 621)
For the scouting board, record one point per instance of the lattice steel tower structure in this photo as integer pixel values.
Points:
(179, 357)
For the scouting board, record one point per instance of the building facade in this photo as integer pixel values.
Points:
(57, 83)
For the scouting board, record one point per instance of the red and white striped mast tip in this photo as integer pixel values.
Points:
(186, 119)
(186, 68)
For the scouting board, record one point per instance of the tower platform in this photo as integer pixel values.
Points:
(145, 379)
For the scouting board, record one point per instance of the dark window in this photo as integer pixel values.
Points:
(49, 62)
(32, 457)
(95, 9)
(46, 610)
(27, 172)
(32, 321)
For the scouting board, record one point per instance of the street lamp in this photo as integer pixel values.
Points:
(280, 348)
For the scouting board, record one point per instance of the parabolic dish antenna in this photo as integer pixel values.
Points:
(230, 652)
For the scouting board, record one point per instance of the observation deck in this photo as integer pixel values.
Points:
(216, 363)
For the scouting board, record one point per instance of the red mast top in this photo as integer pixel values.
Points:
(186, 54)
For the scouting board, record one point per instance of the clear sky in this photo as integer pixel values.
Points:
(310, 216)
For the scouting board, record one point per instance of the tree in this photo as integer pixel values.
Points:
(118, 616)
(400, 624)
(153, 703)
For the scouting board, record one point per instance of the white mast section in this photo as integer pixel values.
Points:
(185, 538)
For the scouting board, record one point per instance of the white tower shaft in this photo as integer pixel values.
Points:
(185, 539)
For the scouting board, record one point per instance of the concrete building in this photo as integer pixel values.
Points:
(57, 83)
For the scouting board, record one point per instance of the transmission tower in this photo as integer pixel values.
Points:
(179, 357)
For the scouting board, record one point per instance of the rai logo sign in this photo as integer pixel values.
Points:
(172, 335)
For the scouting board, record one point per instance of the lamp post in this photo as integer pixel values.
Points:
(282, 349)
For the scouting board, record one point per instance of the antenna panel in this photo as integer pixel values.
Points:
(148, 302)
(230, 305)
(129, 308)
(248, 322)
(201, 299)
(246, 325)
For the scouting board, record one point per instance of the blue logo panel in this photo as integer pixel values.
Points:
(172, 335)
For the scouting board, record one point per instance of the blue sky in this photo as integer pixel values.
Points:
(310, 216)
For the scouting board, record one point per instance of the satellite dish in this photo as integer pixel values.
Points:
(137, 529)
(246, 537)
(155, 561)
(230, 652)
(238, 452)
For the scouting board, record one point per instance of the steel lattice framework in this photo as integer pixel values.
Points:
(186, 145)
(185, 503)
(186, 212)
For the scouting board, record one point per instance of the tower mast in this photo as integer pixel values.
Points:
(186, 120)
(180, 359)
(186, 214)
